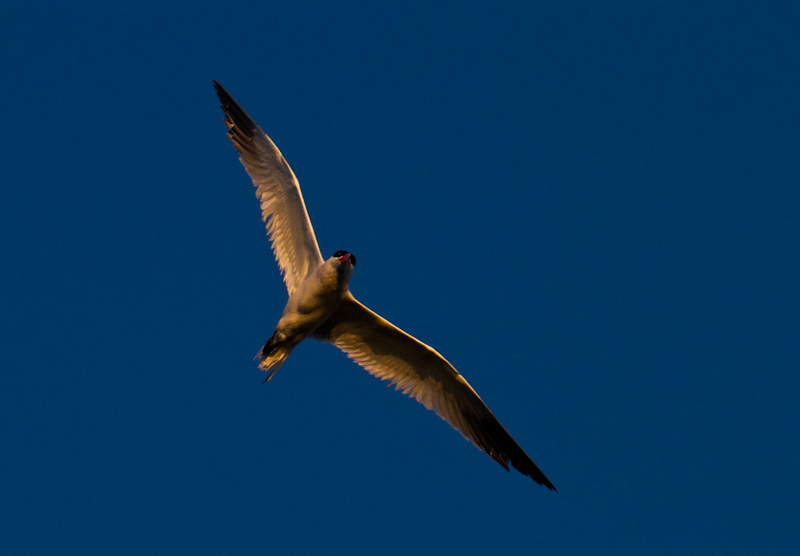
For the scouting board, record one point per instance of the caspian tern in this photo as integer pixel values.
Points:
(321, 306)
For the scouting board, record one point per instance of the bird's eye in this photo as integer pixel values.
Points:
(340, 253)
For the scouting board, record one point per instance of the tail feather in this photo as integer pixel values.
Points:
(273, 354)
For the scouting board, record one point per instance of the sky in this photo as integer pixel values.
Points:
(591, 209)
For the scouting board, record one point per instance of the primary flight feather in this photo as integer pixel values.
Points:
(321, 306)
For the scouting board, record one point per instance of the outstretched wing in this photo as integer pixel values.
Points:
(419, 371)
(282, 207)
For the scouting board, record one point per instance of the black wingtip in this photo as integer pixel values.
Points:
(549, 485)
(224, 96)
(491, 437)
(532, 470)
(235, 114)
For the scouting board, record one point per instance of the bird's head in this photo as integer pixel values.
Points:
(344, 260)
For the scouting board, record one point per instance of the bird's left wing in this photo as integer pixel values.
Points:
(282, 205)
(421, 372)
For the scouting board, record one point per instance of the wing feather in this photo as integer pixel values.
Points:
(421, 372)
(282, 207)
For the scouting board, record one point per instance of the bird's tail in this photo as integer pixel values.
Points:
(273, 354)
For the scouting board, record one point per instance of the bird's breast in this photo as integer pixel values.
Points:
(311, 304)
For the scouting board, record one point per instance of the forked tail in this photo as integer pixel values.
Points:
(273, 354)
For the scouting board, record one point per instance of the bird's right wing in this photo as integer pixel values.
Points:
(282, 207)
(419, 371)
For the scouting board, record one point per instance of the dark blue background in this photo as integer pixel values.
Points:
(590, 208)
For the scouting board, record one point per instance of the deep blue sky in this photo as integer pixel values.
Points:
(590, 210)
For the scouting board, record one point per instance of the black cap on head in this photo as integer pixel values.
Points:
(341, 253)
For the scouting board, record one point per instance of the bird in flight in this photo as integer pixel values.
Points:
(321, 306)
